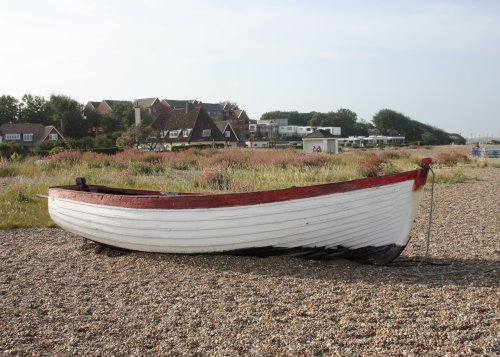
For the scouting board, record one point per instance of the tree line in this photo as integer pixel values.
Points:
(388, 122)
(65, 113)
(76, 122)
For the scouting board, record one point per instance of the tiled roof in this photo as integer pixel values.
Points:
(144, 102)
(94, 104)
(212, 107)
(24, 128)
(111, 102)
(177, 103)
(49, 129)
(320, 133)
(196, 119)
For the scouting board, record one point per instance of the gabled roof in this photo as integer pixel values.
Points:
(39, 131)
(196, 119)
(94, 104)
(23, 128)
(49, 129)
(212, 107)
(176, 119)
(177, 103)
(111, 102)
(223, 126)
(144, 102)
(320, 133)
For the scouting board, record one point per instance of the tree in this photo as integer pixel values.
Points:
(93, 118)
(67, 114)
(346, 119)
(9, 109)
(387, 119)
(141, 134)
(123, 113)
(34, 110)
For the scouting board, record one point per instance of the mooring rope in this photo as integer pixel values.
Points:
(428, 240)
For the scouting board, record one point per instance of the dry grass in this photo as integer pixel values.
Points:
(210, 170)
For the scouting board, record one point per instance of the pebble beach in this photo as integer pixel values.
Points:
(63, 295)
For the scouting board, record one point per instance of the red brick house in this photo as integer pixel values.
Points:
(91, 105)
(106, 106)
(241, 123)
(27, 135)
(188, 126)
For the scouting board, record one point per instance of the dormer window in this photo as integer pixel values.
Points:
(187, 132)
(174, 134)
(28, 137)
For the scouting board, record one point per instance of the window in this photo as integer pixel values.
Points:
(27, 137)
(53, 137)
(227, 133)
(206, 133)
(174, 134)
(163, 133)
(12, 136)
(187, 132)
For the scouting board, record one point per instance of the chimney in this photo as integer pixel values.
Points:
(137, 112)
(189, 106)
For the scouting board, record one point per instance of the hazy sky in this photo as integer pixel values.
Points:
(437, 62)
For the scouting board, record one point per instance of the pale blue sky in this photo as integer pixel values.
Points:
(435, 61)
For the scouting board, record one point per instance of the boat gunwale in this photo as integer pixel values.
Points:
(145, 199)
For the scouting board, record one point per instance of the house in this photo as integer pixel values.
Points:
(374, 140)
(321, 141)
(92, 105)
(27, 135)
(187, 127)
(177, 104)
(106, 106)
(240, 122)
(229, 134)
(266, 128)
(154, 107)
(215, 110)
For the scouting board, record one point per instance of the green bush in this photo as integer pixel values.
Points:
(43, 148)
(7, 150)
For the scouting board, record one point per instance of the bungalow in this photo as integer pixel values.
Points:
(27, 135)
(187, 127)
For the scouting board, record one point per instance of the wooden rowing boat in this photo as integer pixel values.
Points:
(368, 220)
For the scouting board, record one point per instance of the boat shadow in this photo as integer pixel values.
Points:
(435, 272)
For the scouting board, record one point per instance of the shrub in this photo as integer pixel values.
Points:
(450, 158)
(368, 170)
(43, 147)
(216, 179)
(8, 149)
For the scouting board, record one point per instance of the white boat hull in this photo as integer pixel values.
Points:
(365, 218)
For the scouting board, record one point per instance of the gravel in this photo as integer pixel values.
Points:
(62, 295)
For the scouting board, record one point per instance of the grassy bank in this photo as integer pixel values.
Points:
(210, 170)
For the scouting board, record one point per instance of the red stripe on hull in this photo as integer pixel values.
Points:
(154, 200)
